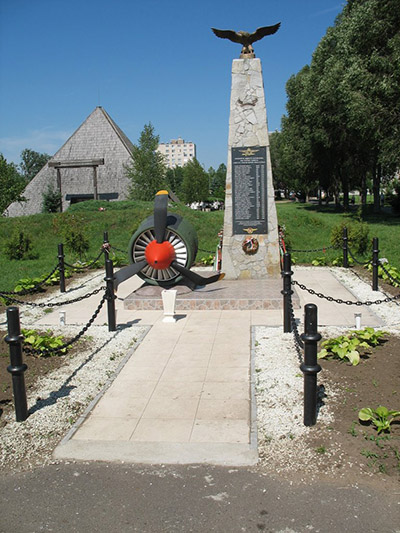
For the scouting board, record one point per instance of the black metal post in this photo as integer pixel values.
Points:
(112, 322)
(345, 249)
(16, 367)
(310, 367)
(287, 293)
(61, 267)
(106, 246)
(375, 263)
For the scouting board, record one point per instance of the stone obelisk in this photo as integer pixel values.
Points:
(250, 244)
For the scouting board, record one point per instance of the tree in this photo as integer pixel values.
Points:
(217, 179)
(32, 162)
(147, 169)
(174, 178)
(11, 184)
(195, 182)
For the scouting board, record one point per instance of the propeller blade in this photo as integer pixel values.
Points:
(193, 276)
(127, 272)
(160, 215)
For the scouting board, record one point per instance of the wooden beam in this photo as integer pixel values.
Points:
(78, 163)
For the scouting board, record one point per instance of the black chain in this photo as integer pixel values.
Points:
(55, 304)
(298, 343)
(33, 289)
(86, 266)
(33, 351)
(206, 251)
(392, 279)
(314, 250)
(363, 263)
(339, 300)
(118, 249)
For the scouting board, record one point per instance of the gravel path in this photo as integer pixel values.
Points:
(279, 386)
(61, 397)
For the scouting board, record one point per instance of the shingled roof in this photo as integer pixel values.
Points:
(98, 137)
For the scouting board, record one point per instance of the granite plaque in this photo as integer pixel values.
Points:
(249, 190)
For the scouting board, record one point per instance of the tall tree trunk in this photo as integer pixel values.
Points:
(364, 190)
(345, 187)
(376, 187)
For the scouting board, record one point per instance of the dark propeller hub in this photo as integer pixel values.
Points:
(159, 255)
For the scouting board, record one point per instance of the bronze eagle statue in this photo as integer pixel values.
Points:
(245, 38)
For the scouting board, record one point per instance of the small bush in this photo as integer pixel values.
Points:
(72, 230)
(51, 201)
(357, 233)
(19, 245)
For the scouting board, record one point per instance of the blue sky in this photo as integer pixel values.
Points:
(144, 61)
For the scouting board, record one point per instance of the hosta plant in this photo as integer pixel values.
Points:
(351, 346)
(381, 417)
(44, 342)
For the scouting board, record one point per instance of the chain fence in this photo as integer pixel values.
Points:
(52, 304)
(34, 351)
(362, 263)
(346, 302)
(312, 250)
(118, 249)
(392, 279)
(86, 267)
(34, 289)
(298, 343)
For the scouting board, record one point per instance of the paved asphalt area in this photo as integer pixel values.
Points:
(101, 497)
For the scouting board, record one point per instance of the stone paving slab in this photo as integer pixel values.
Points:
(186, 394)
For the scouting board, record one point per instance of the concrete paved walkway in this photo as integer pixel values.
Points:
(186, 394)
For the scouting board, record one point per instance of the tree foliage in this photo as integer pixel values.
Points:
(217, 180)
(147, 169)
(195, 185)
(11, 184)
(31, 163)
(343, 111)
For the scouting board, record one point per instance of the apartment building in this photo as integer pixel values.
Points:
(177, 152)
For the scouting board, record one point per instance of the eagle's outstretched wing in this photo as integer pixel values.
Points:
(262, 32)
(228, 34)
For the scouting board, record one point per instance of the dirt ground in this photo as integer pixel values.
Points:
(348, 443)
(37, 367)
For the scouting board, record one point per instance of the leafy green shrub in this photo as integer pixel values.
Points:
(43, 341)
(51, 201)
(351, 346)
(357, 234)
(338, 261)
(379, 417)
(319, 261)
(72, 230)
(394, 273)
(19, 245)
(207, 260)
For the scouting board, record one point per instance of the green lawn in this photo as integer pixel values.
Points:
(308, 226)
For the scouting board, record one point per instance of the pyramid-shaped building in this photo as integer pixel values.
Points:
(100, 144)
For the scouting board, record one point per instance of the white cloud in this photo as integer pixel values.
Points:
(45, 140)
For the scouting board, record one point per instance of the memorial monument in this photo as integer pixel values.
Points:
(250, 244)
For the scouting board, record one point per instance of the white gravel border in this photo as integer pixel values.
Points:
(279, 386)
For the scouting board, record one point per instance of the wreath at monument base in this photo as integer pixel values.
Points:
(250, 246)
